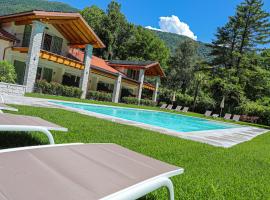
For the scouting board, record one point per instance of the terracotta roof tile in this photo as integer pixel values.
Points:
(7, 36)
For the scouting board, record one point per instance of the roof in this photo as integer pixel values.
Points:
(152, 68)
(71, 25)
(7, 36)
(96, 62)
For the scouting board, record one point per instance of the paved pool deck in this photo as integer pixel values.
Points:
(220, 138)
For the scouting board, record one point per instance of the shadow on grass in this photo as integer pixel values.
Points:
(17, 139)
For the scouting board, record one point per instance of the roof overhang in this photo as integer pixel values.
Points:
(153, 69)
(71, 25)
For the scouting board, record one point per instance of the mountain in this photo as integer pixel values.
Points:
(172, 39)
(15, 6)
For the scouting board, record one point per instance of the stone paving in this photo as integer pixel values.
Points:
(221, 138)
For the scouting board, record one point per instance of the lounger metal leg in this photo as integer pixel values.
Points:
(49, 135)
(143, 189)
(28, 129)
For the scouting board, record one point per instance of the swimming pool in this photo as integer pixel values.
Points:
(170, 121)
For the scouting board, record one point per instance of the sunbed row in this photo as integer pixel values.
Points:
(227, 116)
(75, 171)
(178, 108)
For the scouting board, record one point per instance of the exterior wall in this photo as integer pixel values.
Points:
(3, 44)
(11, 89)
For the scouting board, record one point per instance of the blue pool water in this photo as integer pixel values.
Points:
(175, 122)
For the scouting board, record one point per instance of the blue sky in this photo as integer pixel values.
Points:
(202, 16)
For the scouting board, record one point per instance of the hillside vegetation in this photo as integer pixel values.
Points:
(15, 6)
(172, 39)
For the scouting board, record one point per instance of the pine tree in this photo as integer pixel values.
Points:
(244, 32)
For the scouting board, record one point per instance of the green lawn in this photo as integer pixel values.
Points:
(241, 172)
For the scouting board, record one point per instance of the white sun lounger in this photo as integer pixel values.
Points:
(208, 113)
(163, 106)
(81, 172)
(6, 107)
(169, 107)
(178, 108)
(185, 109)
(21, 123)
(236, 118)
(227, 116)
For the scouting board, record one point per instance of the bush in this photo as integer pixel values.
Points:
(135, 101)
(99, 96)
(57, 89)
(7, 72)
(255, 109)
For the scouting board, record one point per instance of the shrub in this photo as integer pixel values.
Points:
(99, 96)
(130, 100)
(57, 89)
(7, 72)
(255, 109)
(135, 101)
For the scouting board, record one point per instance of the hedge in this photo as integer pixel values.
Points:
(57, 89)
(135, 101)
(254, 109)
(99, 96)
(7, 72)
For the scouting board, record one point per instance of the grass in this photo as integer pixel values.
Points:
(193, 114)
(241, 172)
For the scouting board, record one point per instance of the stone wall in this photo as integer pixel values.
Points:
(11, 89)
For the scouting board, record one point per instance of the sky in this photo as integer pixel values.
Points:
(197, 19)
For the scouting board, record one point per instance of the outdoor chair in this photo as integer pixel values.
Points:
(82, 172)
(163, 106)
(178, 108)
(185, 109)
(21, 123)
(169, 107)
(6, 107)
(215, 115)
(227, 116)
(208, 113)
(236, 118)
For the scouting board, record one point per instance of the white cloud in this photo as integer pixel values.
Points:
(174, 25)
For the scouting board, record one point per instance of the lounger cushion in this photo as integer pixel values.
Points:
(80, 172)
(22, 120)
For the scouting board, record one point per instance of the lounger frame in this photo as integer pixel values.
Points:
(21, 128)
(134, 192)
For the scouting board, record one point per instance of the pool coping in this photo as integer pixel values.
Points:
(198, 136)
(148, 110)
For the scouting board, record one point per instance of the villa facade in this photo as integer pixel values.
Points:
(58, 47)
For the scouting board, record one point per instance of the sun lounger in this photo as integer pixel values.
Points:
(169, 107)
(215, 115)
(21, 123)
(5, 107)
(81, 172)
(227, 116)
(236, 118)
(185, 109)
(178, 108)
(207, 113)
(163, 106)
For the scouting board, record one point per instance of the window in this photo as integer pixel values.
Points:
(71, 80)
(20, 71)
(134, 74)
(47, 74)
(47, 42)
(27, 35)
(105, 87)
(52, 44)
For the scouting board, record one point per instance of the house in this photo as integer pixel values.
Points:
(57, 46)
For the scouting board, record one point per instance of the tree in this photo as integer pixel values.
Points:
(182, 63)
(249, 28)
(7, 72)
